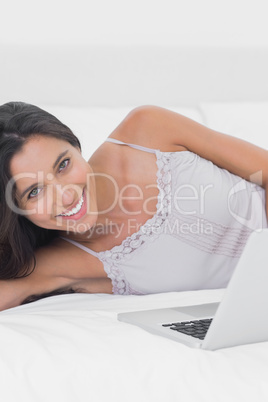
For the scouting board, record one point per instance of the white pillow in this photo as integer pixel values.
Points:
(246, 120)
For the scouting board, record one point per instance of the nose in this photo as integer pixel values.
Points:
(65, 196)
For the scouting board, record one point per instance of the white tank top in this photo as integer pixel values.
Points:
(204, 217)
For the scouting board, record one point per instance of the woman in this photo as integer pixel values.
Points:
(165, 204)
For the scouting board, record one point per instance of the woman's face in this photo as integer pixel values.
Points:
(55, 186)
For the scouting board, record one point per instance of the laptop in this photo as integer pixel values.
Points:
(240, 318)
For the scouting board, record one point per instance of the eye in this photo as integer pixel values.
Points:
(34, 193)
(64, 164)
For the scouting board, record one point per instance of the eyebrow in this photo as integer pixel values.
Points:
(28, 189)
(59, 158)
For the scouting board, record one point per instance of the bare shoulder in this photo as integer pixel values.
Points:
(61, 259)
(152, 127)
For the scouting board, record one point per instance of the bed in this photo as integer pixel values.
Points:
(72, 347)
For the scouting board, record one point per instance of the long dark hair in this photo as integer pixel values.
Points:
(19, 237)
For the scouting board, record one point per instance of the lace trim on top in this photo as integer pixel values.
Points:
(149, 231)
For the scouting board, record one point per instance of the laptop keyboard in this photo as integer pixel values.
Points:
(196, 328)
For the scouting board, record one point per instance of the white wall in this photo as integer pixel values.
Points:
(183, 22)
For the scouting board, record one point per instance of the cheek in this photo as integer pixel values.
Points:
(38, 214)
(43, 219)
(42, 208)
(80, 173)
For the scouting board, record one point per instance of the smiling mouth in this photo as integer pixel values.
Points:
(76, 209)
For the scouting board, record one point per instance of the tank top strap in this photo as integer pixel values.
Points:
(86, 249)
(141, 148)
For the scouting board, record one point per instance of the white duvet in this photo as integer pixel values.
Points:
(72, 348)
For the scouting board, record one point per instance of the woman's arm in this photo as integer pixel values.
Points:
(160, 128)
(14, 291)
(10, 294)
(55, 273)
(44, 279)
(163, 129)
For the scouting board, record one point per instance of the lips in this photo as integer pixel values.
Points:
(77, 211)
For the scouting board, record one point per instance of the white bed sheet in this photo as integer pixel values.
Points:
(73, 348)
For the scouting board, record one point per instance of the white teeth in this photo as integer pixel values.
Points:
(76, 209)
